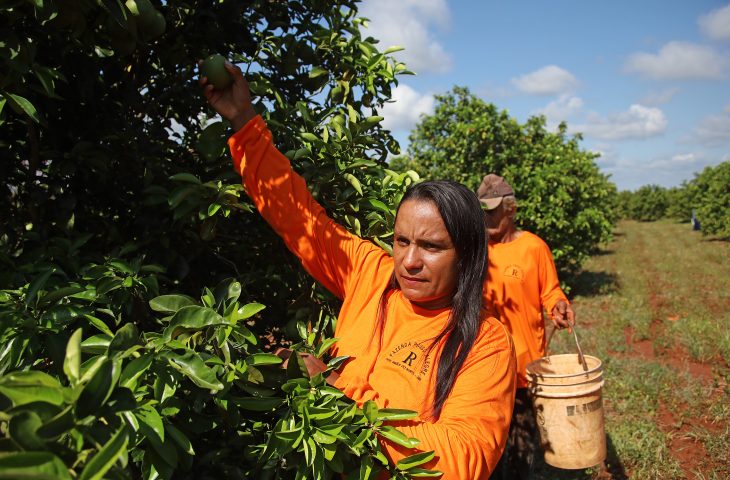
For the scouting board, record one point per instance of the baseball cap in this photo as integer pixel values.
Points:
(492, 189)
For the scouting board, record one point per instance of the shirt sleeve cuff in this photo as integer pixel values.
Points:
(250, 133)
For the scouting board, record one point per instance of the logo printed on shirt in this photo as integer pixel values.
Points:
(514, 271)
(411, 357)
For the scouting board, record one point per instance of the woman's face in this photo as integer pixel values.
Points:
(425, 257)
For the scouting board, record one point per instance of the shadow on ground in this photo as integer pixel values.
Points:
(613, 469)
(716, 239)
(590, 284)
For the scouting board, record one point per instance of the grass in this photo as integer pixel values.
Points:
(655, 308)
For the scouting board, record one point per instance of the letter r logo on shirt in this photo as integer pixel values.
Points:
(409, 359)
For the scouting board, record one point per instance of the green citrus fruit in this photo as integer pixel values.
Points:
(139, 7)
(214, 68)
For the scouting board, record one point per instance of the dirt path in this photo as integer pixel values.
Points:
(687, 447)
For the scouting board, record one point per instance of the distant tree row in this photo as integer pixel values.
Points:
(708, 195)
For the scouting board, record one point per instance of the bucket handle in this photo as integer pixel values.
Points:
(577, 344)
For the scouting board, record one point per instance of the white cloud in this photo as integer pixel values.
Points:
(561, 109)
(549, 80)
(679, 161)
(678, 60)
(716, 24)
(668, 169)
(661, 97)
(714, 130)
(637, 122)
(406, 110)
(408, 23)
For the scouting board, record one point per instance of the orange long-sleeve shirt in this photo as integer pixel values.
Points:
(470, 434)
(521, 281)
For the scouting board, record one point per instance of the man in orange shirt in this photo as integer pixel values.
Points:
(521, 281)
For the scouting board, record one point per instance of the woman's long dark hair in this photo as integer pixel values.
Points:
(462, 215)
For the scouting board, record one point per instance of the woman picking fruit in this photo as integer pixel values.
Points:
(412, 324)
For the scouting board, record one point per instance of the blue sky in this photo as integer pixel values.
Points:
(646, 82)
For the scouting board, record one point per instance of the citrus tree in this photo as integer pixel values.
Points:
(562, 196)
(710, 196)
(646, 204)
(679, 202)
(141, 296)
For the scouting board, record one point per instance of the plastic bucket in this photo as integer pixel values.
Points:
(569, 408)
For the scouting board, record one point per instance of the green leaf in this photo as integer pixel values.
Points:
(263, 359)
(396, 436)
(22, 104)
(32, 466)
(395, 414)
(228, 289)
(354, 182)
(362, 437)
(165, 451)
(126, 337)
(248, 311)
(192, 318)
(96, 344)
(99, 325)
(321, 413)
(317, 71)
(22, 428)
(323, 438)
(47, 77)
(212, 141)
(170, 303)
(422, 473)
(31, 386)
(367, 471)
(393, 49)
(310, 137)
(148, 415)
(98, 390)
(192, 366)
(324, 346)
(122, 266)
(105, 458)
(179, 437)
(213, 208)
(59, 294)
(336, 362)
(90, 367)
(134, 370)
(373, 120)
(378, 205)
(186, 178)
(58, 425)
(72, 362)
(108, 284)
(415, 460)
(37, 284)
(370, 410)
(296, 368)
